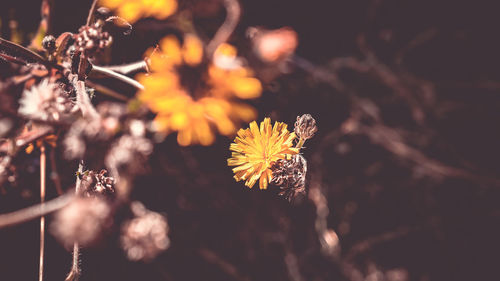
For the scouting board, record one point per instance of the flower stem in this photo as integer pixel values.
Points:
(74, 273)
(300, 143)
(233, 10)
(92, 10)
(43, 161)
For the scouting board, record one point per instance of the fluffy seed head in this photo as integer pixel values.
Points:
(144, 236)
(45, 101)
(83, 221)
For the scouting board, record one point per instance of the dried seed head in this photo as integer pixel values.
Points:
(305, 126)
(144, 236)
(49, 43)
(128, 155)
(290, 175)
(91, 40)
(85, 132)
(45, 101)
(83, 221)
(97, 183)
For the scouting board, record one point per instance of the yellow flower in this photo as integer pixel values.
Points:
(195, 98)
(186, 116)
(256, 150)
(133, 10)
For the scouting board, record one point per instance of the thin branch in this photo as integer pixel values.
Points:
(43, 162)
(233, 9)
(54, 174)
(35, 211)
(25, 138)
(116, 75)
(106, 91)
(83, 101)
(128, 68)
(74, 273)
(92, 10)
(224, 265)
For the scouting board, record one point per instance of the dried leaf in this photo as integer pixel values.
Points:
(13, 52)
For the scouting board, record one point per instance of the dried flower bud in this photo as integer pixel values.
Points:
(49, 43)
(97, 183)
(305, 126)
(91, 40)
(144, 236)
(290, 175)
(45, 101)
(83, 221)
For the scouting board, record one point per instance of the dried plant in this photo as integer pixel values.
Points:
(145, 96)
(145, 236)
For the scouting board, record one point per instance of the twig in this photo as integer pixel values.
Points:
(35, 211)
(92, 10)
(116, 75)
(128, 68)
(74, 273)
(54, 174)
(292, 266)
(43, 162)
(233, 9)
(106, 91)
(83, 101)
(372, 241)
(25, 138)
(224, 265)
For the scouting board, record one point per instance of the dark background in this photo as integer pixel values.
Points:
(413, 193)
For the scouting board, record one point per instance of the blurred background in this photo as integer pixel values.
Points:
(403, 175)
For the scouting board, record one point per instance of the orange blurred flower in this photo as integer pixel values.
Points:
(133, 10)
(256, 149)
(193, 97)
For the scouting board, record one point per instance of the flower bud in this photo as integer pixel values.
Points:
(305, 126)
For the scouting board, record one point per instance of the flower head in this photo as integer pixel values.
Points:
(133, 10)
(256, 149)
(45, 101)
(145, 236)
(83, 221)
(194, 97)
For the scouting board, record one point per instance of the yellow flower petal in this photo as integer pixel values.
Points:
(192, 50)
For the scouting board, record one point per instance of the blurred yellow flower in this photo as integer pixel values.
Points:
(256, 149)
(133, 10)
(195, 98)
